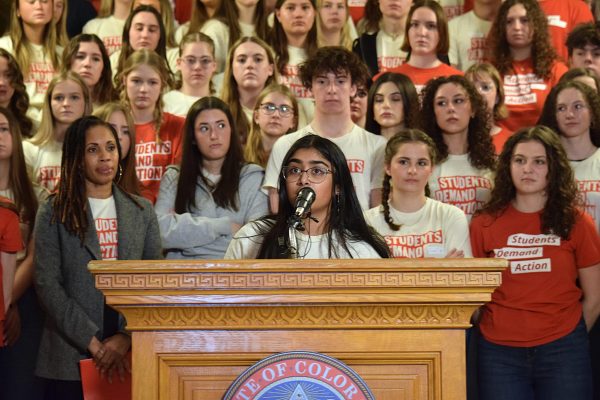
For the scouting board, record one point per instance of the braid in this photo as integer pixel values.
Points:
(386, 205)
(70, 203)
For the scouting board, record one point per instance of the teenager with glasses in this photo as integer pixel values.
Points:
(334, 227)
(196, 66)
(331, 75)
(206, 199)
(275, 114)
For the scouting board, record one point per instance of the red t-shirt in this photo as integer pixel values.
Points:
(500, 138)
(356, 9)
(538, 300)
(10, 242)
(152, 156)
(525, 93)
(563, 16)
(420, 76)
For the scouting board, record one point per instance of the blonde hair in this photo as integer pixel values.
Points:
(107, 8)
(195, 37)
(45, 133)
(61, 26)
(230, 93)
(22, 48)
(346, 41)
(158, 64)
(254, 151)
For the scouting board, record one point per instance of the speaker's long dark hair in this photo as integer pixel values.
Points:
(345, 219)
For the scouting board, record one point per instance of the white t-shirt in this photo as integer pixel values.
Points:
(587, 175)
(432, 231)
(291, 79)
(105, 221)
(389, 54)
(452, 8)
(177, 103)
(467, 40)
(44, 164)
(457, 182)
(247, 241)
(41, 73)
(109, 29)
(363, 151)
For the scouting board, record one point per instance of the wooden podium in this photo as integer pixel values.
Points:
(399, 323)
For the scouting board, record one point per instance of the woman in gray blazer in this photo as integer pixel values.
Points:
(89, 218)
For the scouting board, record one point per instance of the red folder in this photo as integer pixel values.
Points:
(97, 388)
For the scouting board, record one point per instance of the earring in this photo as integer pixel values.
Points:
(119, 174)
(337, 201)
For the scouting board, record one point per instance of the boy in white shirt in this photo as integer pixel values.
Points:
(331, 75)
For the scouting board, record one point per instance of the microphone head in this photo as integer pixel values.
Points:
(306, 196)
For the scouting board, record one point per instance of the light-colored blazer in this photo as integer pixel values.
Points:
(74, 307)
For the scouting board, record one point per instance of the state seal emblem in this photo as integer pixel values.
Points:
(299, 375)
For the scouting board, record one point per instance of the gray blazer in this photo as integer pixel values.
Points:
(74, 307)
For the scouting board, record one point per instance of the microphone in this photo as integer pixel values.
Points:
(306, 196)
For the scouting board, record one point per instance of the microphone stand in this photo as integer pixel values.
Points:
(294, 222)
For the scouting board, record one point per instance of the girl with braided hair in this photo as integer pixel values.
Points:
(89, 218)
(414, 225)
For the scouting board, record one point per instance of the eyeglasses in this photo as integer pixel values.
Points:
(315, 174)
(270, 108)
(203, 61)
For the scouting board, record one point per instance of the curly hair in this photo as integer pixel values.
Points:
(395, 142)
(279, 41)
(548, 116)
(583, 35)
(479, 141)
(542, 52)
(335, 59)
(563, 201)
(410, 101)
(19, 102)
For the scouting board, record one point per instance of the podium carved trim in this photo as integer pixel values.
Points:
(295, 317)
(291, 280)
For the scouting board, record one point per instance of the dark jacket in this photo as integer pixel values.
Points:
(75, 308)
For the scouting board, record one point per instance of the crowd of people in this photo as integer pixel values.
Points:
(413, 128)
